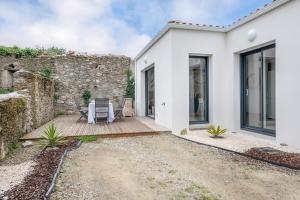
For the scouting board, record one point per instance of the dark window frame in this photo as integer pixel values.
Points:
(146, 91)
(206, 120)
(244, 126)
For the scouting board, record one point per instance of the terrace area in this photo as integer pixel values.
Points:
(68, 126)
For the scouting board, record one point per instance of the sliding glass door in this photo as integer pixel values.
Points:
(198, 89)
(258, 90)
(150, 93)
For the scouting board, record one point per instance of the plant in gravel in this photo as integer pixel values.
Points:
(51, 138)
(216, 131)
(13, 146)
(87, 138)
(183, 132)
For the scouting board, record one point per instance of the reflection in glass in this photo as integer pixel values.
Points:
(150, 93)
(259, 90)
(198, 89)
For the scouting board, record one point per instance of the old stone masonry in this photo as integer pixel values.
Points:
(103, 75)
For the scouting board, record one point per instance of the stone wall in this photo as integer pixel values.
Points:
(104, 76)
(14, 119)
(41, 92)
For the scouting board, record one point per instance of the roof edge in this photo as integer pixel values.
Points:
(259, 12)
(189, 26)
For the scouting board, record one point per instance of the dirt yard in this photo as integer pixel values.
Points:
(165, 167)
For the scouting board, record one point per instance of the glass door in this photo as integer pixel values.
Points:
(258, 90)
(150, 92)
(198, 90)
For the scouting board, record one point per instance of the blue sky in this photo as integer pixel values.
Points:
(107, 26)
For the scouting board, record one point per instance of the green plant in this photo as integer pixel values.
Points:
(60, 113)
(18, 52)
(51, 138)
(86, 97)
(183, 132)
(216, 131)
(130, 88)
(46, 72)
(52, 51)
(56, 97)
(87, 138)
(13, 146)
(6, 90)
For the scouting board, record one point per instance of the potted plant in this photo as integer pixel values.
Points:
(86, 97)
(129, 94)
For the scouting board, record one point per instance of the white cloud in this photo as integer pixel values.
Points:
(96, 26)
(81, 25)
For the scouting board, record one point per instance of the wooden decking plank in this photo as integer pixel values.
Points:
(69, 127)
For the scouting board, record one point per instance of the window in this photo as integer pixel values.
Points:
(258, 90)
(150, 92)
(198, 89)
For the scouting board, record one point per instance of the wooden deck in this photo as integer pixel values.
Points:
(69, 127)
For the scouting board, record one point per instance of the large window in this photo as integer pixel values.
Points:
(150, 93)
(258, 90)
(198, 89)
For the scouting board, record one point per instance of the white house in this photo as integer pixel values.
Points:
(244, 77)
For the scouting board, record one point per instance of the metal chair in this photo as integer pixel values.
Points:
(82, 110)
(118, 110)
(101, 107)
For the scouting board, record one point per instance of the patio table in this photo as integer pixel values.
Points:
(91, 113)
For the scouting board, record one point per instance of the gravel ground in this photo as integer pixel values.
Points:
(13, 175)
(239, 142)
(165, 167)
(16, 166)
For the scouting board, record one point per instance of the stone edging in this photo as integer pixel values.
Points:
(239, 153)
(50, 190)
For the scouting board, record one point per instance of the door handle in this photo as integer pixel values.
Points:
(247, 92)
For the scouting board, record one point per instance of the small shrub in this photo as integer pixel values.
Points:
(87, 138)
(216, 131)
(13, 146)
(86, 97)
(51, 138)
(6, 90)
(183, 132)
(46, 72)
(52, 51)
(18, 52)
(60, 113)
(130, 88)
(56, 97)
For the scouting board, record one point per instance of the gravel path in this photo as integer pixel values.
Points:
(12, 175)
(15, 167)
(165, 167)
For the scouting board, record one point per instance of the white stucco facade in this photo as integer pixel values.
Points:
(169, 54)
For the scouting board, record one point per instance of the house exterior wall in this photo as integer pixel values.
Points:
(280, 26)
(158, 56)
(185, 43)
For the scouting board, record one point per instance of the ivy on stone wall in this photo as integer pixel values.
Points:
(30, 52)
